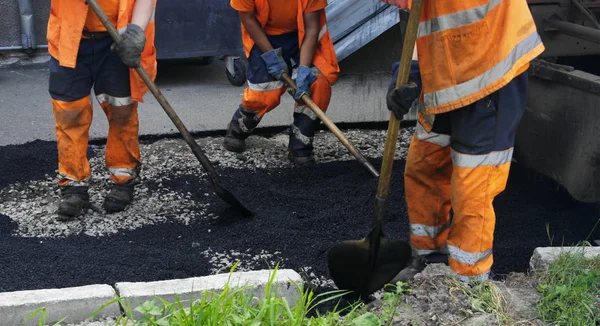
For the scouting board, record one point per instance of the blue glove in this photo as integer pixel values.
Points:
(304, 79)
(276, 66)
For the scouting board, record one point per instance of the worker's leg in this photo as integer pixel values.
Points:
(262, 95)
(113, 92)
(306, 121)
(483, 136)
(427, 188)
(69, 89)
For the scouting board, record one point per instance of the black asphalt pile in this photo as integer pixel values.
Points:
(299, 214)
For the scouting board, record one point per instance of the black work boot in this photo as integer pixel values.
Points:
(417, 265)
(301, 161)
(118, 198)
(75, 201)
(239, 129)
(232, 143)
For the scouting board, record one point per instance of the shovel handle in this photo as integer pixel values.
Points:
(157, 93)
(334, 129)
(408, 46)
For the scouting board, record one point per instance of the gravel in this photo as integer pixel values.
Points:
(32, 204)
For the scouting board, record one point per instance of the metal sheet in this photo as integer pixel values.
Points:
(354, 23)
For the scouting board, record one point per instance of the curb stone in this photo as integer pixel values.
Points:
(543, 256)
(78, 303)
(75, 303)
(284, 283)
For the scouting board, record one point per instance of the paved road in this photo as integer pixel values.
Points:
(201, 95)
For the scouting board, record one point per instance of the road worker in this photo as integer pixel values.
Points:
(284, 36)
(469, 87)
(83, 56)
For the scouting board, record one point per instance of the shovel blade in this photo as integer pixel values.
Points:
(349, 264)
(230, 199)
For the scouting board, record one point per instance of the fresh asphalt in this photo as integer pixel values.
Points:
(299, 213)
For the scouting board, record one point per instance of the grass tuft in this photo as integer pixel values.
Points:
(570, 288)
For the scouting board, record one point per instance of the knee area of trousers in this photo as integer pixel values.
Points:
(121, 114)
(77, 112)
(261, 102)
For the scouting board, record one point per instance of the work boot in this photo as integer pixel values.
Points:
(417, 265)
(301, 161)
(233, 144)
(118, 198)
(239, 128)
(75, 201)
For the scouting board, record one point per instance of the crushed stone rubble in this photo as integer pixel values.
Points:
(32, 205)
(222, 262)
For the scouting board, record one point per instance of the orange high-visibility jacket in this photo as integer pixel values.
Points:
(324, 59)
(468, 49)
(65, 25)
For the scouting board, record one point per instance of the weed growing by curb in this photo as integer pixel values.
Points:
(570, 288)
(236, 306)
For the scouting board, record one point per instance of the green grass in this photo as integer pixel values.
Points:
(570, 289)
(236, 306)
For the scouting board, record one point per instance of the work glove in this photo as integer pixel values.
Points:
(304, 80)
(276, 66)
(131, 46)
(399, 100)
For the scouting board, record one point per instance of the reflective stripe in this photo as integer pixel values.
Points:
(114, 101)
(246, 115)
(423, 252)
(268, 86)
(431, 137)
(72, 182)
(242, 126)
(473, 161)
(323, 31)
(457, 19)
(469, 258)
(123, 172)
(421, 230)
(306, 111)
(477, 278)
(472, 86)
(298, 135)
(152, 17)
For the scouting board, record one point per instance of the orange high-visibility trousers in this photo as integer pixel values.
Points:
(263, 94)
(463, 164)
(70, 88)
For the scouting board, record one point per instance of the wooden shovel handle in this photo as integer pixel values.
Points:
(410, 38)
(334, 129)
(158, 95)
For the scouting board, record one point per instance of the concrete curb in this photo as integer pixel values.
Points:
(76, 304)
(284, 285)
(543, 256)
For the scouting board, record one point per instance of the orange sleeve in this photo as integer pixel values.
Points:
(242, 5)
(315, 5)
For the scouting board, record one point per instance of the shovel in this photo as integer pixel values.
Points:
(334, 129)
(365, 266)
(225, 194)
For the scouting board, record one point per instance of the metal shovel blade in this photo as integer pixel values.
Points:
(228, 197)
(350, 267)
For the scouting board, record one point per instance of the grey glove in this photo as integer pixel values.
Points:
(399, 100)
(131, 46)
